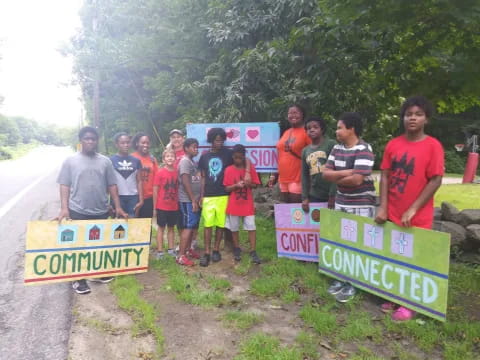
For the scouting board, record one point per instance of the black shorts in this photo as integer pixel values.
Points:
(146, 211)
(167, 218)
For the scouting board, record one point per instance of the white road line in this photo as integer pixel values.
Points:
(11, 203)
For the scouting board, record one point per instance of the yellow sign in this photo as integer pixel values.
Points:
(83, 249)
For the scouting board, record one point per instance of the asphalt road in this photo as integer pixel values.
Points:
(34, 320)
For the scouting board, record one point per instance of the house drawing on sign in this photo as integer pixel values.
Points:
(119, 232)
(67, 235)
(94, 233)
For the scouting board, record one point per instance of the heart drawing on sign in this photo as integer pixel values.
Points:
(252, 134)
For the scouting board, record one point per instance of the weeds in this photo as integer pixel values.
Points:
(322, 320)
(127, 291)
(188, 288)
(241, 320)
(260, 346)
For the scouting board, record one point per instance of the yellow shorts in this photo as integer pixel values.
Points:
(214, 211)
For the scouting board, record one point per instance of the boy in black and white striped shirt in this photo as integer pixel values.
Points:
(349, 165)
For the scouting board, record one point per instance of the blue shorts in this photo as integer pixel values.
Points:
(188, 218)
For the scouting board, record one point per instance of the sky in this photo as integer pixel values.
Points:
(35, 79)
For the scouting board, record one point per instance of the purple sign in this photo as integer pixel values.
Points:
(298, 232)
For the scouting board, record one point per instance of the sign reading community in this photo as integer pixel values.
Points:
(408, 266)
(259, 139)
(85, 249)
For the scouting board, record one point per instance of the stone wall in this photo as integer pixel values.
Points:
(463, 226)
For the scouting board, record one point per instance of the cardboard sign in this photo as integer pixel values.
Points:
(297, 231)
(259, 139)
(83, 249)
(408, 266)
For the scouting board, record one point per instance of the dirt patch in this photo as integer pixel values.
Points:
(102, 331)
(193, 332)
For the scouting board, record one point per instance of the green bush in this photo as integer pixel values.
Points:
(454, 162)
(4, 154)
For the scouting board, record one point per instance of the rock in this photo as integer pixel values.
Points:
(473, 233)
(457, 233)
(260, 198)
(437, 214)
(263, 209)
(469, 216)
(449, 212)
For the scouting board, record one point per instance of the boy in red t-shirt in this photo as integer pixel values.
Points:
(165, 202)
(240, 202)
(412, 170)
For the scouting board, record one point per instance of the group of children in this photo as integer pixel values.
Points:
(218, 189)
(411, 171)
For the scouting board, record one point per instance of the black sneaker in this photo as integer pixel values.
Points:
(237, 254)
(335, 287)
(103, 280)
(216, 256)
(254, 257)
(346, 294)
(81, 287)
(205, 260)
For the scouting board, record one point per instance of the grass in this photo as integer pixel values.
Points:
(19, 150)
(462, 196)
(241, 320)
(218, 283)
(359, 327)
(260, 347)
(308, 344)
(322, 321)
(281, 280)
(127, 290)
(190, 289)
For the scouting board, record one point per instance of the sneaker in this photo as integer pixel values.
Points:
(205, 260)
(346, 294)
(335, 287)
(216, 256)
(403, 314)
(183, 260)
(237, 254)
(193, 254)
(159, 255)
(103, 280)
(388, 307)
(81, 287)
(254, 257)
(172, 252)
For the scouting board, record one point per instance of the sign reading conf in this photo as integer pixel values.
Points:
(85, 249)
(408, 266)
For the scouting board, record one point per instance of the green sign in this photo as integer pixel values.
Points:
(408, 266)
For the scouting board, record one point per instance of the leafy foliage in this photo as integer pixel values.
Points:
(162, 64)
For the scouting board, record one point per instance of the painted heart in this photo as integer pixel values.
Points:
(230, 134)
(252, 134)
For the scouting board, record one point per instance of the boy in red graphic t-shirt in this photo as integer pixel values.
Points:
(165, 202)
(412, 170)
(240, 202)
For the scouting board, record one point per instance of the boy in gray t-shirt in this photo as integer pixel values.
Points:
(188, 197)
(85, 180)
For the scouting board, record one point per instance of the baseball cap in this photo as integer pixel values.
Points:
(175, 131)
